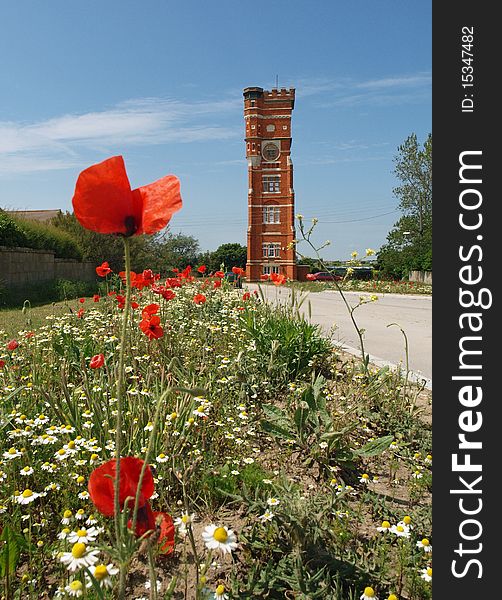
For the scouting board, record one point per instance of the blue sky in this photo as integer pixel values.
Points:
(160, 82)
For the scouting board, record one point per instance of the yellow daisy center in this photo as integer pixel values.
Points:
(66, 530)
(80, 511)
(94, 456)
(71, 444)
(27, 493)
(12, 451)
(61, 451)
(76, 585)
(220, 589)
(100, 572)
(174, 415)
(369, 592)
(185, 518)
(82, 532)
(407, 520)
(425, 542)
(67, 514)
(41, 417)
(162, 455)
(400, 528)
(385, 524)
(365, 476)
(220, 535)
(25, 469)
(80, 479)
(392, 597)
(78, 550)
(429, 571)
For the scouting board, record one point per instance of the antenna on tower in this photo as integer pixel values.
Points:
(277, 82)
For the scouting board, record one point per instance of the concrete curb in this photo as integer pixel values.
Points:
(380, 362)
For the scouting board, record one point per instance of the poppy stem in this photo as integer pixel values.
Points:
(148, 453)
(118, 426)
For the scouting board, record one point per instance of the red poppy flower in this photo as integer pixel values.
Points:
(103, 270)
(12, 345)
(199, 299)
(104, 202)
(185, 274)
(97, 361)
(96, 298)
(80, 313)
(238, 271)
(202, 269)
(81, 300)
(101, 484)
(219, 274)
(166, 537)
(150, 310)
(217, 284)
(246, 296)
(151, 327)
(2, 364)
(173, 282)
(264, 277)
(120, 300)
(164, 292)
(278, 278)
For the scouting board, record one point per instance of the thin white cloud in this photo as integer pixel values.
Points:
(392, 90)
(58, 142)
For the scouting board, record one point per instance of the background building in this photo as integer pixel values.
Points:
(271, 197)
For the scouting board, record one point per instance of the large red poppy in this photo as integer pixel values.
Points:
(150, 326)
(104, 202)
(102, 482)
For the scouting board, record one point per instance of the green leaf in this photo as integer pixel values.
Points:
(375, 446)
(276, 430)
(10, 550)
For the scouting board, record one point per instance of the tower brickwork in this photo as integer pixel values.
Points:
(271, 198)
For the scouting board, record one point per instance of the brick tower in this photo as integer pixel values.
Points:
(271, 199)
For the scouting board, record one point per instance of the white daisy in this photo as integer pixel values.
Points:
(26, 471)
(162, 458)
(80, 556)
(401, 530)
(103, 575)
(266, 516)
(83, 535)
(426, 574)
(273, 501)
(182, 523)
(368, 594)
(219, 538)
(384, 527)
(26, 497)
(75, 588)
(219, 593)
(424, 545)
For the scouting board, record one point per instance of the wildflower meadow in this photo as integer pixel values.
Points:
(177, 437)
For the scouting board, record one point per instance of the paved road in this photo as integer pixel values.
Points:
(384, 344)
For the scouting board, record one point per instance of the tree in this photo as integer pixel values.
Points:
(229, 255)
(99, 247)
(409, 243)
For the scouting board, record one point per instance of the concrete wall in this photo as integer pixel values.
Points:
(21, 266)
(421, 276)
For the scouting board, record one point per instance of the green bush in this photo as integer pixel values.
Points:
(11, 234)
(22, 233)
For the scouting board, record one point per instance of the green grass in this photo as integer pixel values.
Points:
(13, 320)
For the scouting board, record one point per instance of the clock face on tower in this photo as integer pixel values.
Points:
(270, 152)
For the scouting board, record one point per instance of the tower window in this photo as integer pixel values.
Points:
(268, 269)
(272, 214)
(272, 250)
(272, 184)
